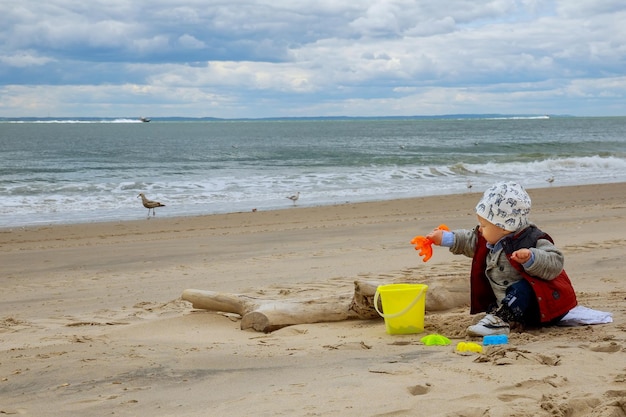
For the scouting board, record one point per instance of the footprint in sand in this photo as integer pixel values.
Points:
(610, 347)
(419, 389)
(609, 404)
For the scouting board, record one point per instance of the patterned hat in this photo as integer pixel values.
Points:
(506, 205)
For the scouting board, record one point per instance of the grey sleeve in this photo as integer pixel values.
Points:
(549, 260)
(464, 242)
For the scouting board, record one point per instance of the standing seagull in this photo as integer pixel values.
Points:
(150, 205)
(294, 197)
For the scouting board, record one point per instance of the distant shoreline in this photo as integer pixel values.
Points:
(296, 118)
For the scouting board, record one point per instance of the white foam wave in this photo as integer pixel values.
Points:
(578, 168)
(544, 117)
(78, 121)
(232, 192)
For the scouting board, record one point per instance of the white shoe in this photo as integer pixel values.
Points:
(489, 325)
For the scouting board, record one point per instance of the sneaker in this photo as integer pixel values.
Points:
(489, 325)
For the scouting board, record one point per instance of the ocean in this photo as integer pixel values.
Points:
(77, 171)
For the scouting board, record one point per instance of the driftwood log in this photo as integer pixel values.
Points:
(269, 315)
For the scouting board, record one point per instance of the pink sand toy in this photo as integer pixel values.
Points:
(425, 245)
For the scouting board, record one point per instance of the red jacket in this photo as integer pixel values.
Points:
(555, 297)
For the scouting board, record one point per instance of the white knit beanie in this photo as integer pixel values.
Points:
(506, 205)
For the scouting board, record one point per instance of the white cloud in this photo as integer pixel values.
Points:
(255, 57)
(22, 59)
(190, 42)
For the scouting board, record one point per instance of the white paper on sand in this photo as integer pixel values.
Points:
(580, 315)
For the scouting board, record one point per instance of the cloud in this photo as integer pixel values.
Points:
(24, 59)
(260, 58)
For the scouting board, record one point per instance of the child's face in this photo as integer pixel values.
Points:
(490, 231)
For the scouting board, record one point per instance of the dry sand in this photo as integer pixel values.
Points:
(92, 323)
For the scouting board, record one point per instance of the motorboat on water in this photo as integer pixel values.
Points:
(144, 119)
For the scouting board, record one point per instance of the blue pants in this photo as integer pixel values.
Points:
(521, 303)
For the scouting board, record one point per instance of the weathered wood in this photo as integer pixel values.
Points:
(363, 301)
(447, 294)
(216, 301)
(272, 316)
(269, 315)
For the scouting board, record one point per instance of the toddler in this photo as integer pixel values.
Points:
(517, 273)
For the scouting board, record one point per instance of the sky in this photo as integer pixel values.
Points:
(309, 58)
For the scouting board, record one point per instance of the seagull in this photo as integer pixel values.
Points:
(469, 185)
(294, 197)
(150, 205)
(550, 180)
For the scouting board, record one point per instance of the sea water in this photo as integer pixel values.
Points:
(58, 172)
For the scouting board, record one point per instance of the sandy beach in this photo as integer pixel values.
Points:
(92, 322)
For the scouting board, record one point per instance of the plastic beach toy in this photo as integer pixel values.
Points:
(403, 305)
(496, 339)
(425, 245)
(435, 340)
(469, 347)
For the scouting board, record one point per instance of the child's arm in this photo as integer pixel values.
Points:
(441, 237)
(544, 261)
(460, 241)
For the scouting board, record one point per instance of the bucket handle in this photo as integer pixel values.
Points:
(394, 315)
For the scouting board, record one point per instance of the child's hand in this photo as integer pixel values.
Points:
(435, 236)
(521, 256)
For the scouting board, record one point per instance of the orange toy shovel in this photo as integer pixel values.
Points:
(425, 245)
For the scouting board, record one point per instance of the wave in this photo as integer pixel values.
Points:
(71, 121)
(573, 166)
(544, 117)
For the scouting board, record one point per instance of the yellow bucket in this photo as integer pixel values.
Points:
(403, 307)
